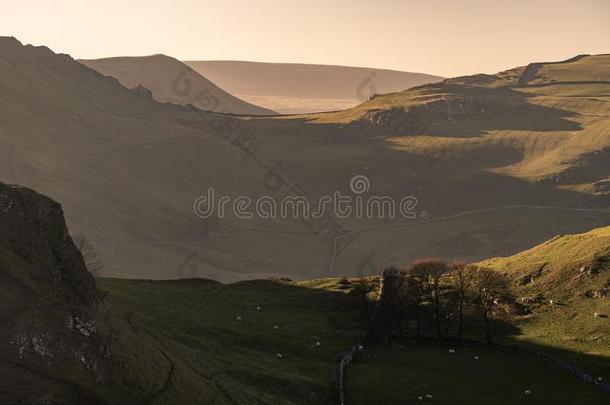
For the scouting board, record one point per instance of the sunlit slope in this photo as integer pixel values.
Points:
(127, 171)
(566, 283)
(558, 122)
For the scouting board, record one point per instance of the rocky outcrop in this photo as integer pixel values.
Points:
(49, 339)
(142, 92)
(410, 121)
(34, 232)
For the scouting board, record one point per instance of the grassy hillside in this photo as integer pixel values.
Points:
(127, 171)
(68, 339)
(573, 272)
(402, 374)
(222, 343)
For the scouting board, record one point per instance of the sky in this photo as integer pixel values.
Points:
(447, 38)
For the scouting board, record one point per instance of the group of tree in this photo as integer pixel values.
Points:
(437, 300)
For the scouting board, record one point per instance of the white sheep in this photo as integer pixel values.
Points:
(476, 357)
(451, 351)
(597, 314)
(360, 347)
(551, 302)
(279, 355)
(238, 318)
(428, 396)
(318, 344)
(420, 398)
(600, 379)
(528, 392)
(276, 327)
(258, 308)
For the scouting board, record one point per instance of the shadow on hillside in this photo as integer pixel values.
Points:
(235, 332)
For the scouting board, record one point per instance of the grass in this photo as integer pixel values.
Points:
(569, 327)
(400, 375)
(220, 358)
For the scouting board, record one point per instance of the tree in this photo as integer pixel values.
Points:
(492, 287)
(92, 261)
(362, 288)
(463, 279)
(430, 272)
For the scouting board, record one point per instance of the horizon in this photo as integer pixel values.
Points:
(215, 31)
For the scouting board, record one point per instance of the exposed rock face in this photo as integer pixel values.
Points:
(50, 351)
(33, 229)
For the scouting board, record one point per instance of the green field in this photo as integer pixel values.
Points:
(212, 356)
(401, 374)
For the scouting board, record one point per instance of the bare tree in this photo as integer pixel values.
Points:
(92, 261)
(491, 287)
(430, 273)
(463, 279)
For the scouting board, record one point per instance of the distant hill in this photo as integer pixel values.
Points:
(297, 88)
(170, 80)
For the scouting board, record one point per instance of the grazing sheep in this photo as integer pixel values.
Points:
(238, 318)
(258, 308)
(600, 379)
(528, 392)
(276, 327)
(551, 302)
(428, 396)
(360, 347)
(420, 398)
(476, 357)
(597, 314)
(318, 344)
(451, 351)
(279, 355)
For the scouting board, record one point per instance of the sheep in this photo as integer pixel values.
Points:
(238, 318)
(258, 308)
(428, 396)
(597, 314)
(420, 398)
(360, 347)
(528, 392)
(276, 327)
(476, 357)
(451, 351)
(279, 355)
(318, 344)
(551, 302)
(600, 379)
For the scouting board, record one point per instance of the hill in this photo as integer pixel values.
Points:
(67, 339)
(128, 170)
(566, 281)
(291, 88)
(172, 81)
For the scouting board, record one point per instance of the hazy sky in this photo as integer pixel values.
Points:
(447, 38)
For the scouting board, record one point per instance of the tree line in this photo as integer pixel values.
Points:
(436, 300)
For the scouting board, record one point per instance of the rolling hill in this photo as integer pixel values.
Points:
(298, 88)
(494, 167)
(171, 81)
